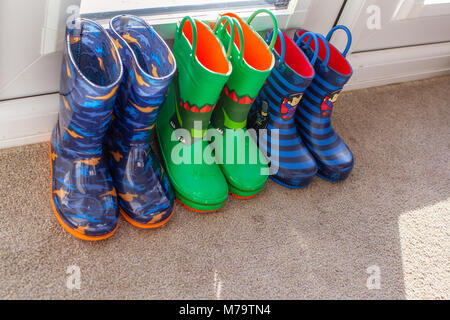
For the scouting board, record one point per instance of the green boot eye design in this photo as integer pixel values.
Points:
(252, 62)
(203, 70)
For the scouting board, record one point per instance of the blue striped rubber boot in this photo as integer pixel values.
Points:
(313, 116)
(291, 164)
(146, 199)
(83, 195)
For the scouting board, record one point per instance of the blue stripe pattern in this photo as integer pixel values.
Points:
(291, 163)
(313, 119)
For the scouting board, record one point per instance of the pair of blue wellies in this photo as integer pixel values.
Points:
(295, 107)
(112, 85)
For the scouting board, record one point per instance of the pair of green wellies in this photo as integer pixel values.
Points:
(207, 150)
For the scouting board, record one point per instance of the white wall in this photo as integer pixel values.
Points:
(30, 34)
(29, 69)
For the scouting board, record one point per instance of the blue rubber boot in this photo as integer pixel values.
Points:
(83, 195)
(313, 116)
(291, 164)
(146, 199)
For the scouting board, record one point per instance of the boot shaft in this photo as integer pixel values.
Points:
(252, 62)
(333, 157)
(203, 70)
(90, 77)
(149, 66)
(332, 72)
(284, 88)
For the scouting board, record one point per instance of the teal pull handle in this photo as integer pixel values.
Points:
(274, 20)
(232, 22)
(194, 33)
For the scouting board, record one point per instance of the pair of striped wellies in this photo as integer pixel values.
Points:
(114, 83)
(295, 105)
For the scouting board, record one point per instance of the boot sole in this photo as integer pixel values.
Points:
(197, 207)
(340, 179)
(66, 227)
(148, 225)
(330, 180)
(243, 195)
(288, 185)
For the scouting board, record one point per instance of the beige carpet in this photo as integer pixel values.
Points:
(391, 217)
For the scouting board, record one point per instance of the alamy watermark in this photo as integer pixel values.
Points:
(73, 280)
(374, 280)
(374, 20)
(227, 147)
(73, 20)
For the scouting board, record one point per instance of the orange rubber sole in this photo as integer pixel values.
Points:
(61, 221)
(195, 210)
(148, 225)
(243, 198)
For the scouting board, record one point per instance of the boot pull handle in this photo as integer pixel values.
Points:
(194, 34)
(283, 43)
(327, 48)
(312, 36)
(232, 22)
(275, 24)
(349, 37)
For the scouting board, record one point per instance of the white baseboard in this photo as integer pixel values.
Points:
(27, 120)
(30, 120)
(376, 68)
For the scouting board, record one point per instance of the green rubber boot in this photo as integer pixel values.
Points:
(243, 165)
(203, 69)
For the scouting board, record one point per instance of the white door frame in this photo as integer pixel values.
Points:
(382, 67)
(31, 119)
(31, 46)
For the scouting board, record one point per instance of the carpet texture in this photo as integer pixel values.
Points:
(391, 218)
